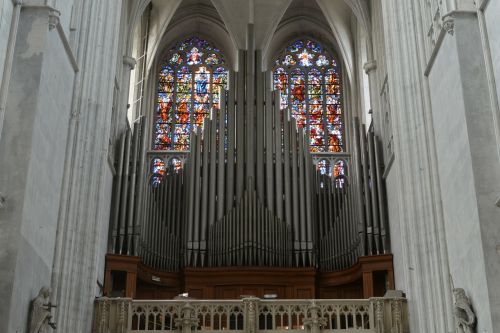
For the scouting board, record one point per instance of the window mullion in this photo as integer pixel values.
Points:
(307, 110)
(173, 111)
(326, 135)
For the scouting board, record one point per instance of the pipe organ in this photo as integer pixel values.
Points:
(249, 192)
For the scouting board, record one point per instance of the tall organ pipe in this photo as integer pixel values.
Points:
(269, 151)
(117, 195)
(373, 191)
(141, 186)
(125, 194)
(278, 157)
(381, 198)
(259, 110)
(359, 187)
(240, 125)
(368, 210)
(132, 197)
(231, 128)
(220, 157)
(212, 204)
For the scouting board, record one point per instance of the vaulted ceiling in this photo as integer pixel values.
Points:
(275, 22)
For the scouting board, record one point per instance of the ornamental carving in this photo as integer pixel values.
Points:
(465, 319)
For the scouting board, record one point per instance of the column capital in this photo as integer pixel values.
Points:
(370, 66)
(129, 61)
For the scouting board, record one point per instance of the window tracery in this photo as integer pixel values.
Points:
(309, 81)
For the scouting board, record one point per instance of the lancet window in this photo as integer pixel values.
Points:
(189, 86)
(309, 81)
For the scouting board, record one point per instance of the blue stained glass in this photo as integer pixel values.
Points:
(158, 170)
(313, 46)
(324, 168)
(176, 164)
(295, 47)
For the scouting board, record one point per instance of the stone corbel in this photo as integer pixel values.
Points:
(449, 24)
(370, 66)
(2, 200)
(53, 18)
(130, 62)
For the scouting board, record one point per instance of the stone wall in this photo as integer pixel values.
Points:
(6, 10)
(32, 154)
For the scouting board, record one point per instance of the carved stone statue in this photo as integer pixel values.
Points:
(464, 316)
(40, 312)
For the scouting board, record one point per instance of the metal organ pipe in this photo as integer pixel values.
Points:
(231, 128)
(373, 191)
(213, 170)
(220, 157)
(278, 157)
(269, 151)
(260, 112)
(240, 126)
(125, 194)
(140, 185)
(381, 198)
(117, 195)
(366, 180)
(131, 201)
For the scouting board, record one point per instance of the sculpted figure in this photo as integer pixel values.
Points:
(464, 316)
(40, 313)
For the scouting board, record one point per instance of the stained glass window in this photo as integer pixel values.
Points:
(188, 89)
(159, 169)
(309, 81)
(337, 172)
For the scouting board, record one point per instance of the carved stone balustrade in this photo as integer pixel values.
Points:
(251, 315)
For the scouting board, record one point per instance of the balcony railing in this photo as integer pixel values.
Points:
(251, 315)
